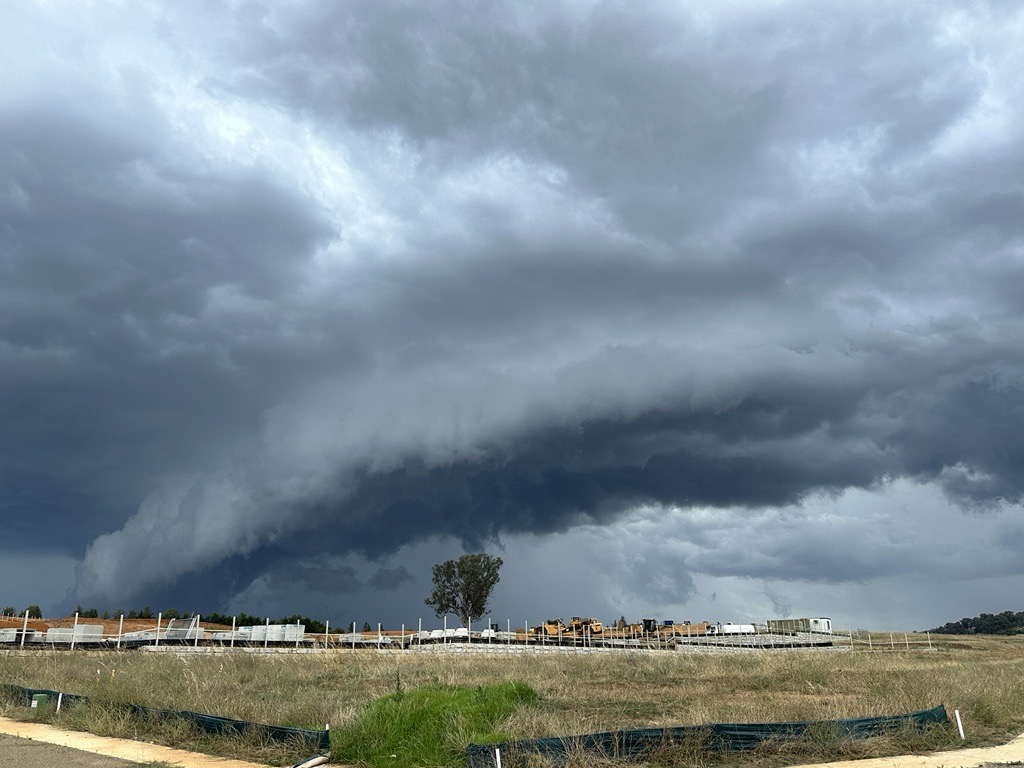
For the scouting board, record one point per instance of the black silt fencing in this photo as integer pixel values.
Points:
(314, 739)
(723, 737)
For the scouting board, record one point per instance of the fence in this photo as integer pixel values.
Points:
(178, 633)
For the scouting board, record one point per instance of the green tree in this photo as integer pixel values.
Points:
(34, 612)
(8, 611)
(464, 586)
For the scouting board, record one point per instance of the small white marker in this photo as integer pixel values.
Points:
(959, 723)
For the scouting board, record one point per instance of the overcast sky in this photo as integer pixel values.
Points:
(692, 310)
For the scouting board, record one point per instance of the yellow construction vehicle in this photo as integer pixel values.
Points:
(550, 628)
(584, 626)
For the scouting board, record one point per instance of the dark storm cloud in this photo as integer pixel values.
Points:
(341, 278)
(109, 326)
(390, 579)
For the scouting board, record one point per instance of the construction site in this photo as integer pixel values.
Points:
(579, 633)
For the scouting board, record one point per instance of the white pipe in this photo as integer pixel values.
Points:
(199, 618)
(159, 616)
(266, 633)
(959, 723)
(313, 761)
(74, 631)
(232, 632)
(327, 633)
(120, 628)
(24, 629)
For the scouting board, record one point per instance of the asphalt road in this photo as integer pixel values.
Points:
(32, 753)
(39, 745)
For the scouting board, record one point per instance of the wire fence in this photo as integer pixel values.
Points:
(24, 633)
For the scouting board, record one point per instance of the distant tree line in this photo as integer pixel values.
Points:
(1005, 623)
(34, 612)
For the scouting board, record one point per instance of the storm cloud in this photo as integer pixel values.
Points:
(287, 289)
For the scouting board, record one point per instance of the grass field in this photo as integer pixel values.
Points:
(980, 676)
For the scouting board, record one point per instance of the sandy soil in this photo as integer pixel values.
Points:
(1005, 754)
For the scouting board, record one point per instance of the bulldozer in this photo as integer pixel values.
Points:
(550, 628)
(586, 625)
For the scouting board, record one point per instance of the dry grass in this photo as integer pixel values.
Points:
(980, 676)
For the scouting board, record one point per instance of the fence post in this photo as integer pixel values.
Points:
(24, 629)
(327, 633)
(159, 616)
(353, 635)
(266, 633)
(233, 620)
(120, 627)
(199, 617)
(74, 631)
(906, 640)
(296, 633)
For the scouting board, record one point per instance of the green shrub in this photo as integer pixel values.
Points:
(429, 726)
